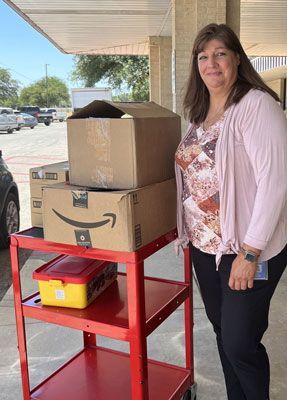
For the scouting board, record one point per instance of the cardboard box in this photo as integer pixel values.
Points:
(47, 175)
(122, 145)
(37, 220)
(44, 175)
(111, 220)
(36, 211)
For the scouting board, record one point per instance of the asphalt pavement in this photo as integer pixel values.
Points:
(23, 150)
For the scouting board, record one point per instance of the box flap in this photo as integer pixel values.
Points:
(119, 194)
(109, 109)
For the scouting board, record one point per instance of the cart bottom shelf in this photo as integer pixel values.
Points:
(103, 374)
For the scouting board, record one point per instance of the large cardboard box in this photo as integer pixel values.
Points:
(47, 175)
(112, 220)
(122, 145)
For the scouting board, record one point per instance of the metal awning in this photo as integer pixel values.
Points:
(98, 27)
(123, 26)
(263, 28)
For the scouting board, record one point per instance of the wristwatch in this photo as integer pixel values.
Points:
(249, 255)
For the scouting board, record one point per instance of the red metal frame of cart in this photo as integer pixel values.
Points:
(139, 324)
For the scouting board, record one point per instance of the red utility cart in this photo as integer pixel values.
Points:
(130, 309)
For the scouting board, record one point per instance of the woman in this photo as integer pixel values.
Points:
(231, 170)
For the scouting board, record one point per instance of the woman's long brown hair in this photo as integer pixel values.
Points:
(196, 100)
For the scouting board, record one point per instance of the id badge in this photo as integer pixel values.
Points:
(262, 271)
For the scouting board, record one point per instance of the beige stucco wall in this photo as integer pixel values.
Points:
(170, 57)
(188, 17)
(279, 87)
(160, 70)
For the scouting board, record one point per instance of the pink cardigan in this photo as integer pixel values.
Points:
(251, 164)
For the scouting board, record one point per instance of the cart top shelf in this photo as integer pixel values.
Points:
(33, 238)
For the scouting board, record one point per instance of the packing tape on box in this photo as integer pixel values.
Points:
(98, 136)
(102, 176)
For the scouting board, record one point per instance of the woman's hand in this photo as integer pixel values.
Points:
(242, 273)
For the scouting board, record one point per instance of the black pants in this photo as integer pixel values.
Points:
(239, 319)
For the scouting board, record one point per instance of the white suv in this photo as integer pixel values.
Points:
(8, 120)
(57, 115)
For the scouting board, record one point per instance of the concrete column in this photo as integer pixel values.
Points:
(154, 72)
(160, 70)
(233, 15)
(188, 17)
(279, 87)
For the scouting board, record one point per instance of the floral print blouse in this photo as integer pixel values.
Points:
(196, 158)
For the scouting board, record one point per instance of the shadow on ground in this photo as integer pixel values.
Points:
(5, 268)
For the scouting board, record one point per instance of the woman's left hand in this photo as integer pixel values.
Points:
(242, 273)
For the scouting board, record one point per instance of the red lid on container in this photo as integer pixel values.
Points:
(70, 269)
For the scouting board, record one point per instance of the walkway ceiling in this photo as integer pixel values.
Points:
(123, 26)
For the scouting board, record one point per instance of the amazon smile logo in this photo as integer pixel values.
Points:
(88, 225)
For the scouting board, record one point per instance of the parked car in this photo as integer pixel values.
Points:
(28, 120)
(9, 204)
(57, 115)
(8, 121)
(42, 116)
(19, 119)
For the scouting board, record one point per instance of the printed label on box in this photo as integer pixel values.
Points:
(60, 294)
(53, 176)
(37, 174)
(83, 238)
(101, 280)
(138, 235)
(80, 198)
(37, 203)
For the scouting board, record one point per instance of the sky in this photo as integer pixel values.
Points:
(25, 52)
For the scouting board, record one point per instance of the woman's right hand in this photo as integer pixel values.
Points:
(242, 273)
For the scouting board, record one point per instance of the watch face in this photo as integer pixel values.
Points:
(250, 257)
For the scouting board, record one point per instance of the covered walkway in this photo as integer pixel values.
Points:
(162, 29)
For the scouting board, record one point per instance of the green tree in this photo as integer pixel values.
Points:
(123, 73)
(9, 89)
(37, 94)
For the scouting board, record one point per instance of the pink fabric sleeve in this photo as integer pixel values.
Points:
(182, 239)
(264, 130)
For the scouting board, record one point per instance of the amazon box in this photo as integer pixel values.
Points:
(122, 145)
(36, 212)
(47, 175)
(123, 220)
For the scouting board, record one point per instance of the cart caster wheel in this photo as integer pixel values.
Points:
(187, 395)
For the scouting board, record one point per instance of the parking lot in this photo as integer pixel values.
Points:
(23, 150)
(28, 148)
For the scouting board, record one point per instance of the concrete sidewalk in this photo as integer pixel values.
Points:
(49, 346)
